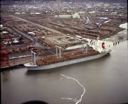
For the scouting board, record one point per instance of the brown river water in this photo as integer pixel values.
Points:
(101, 81)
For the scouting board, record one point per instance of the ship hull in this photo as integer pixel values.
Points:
(65, 63)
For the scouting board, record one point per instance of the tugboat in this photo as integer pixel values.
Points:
(99, 48)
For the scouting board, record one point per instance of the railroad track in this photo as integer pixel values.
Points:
(43, 27)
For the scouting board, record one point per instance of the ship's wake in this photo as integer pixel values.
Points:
(77, 101)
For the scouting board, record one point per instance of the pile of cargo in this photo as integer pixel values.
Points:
(4, 57)
(13, 41)
(50, 59)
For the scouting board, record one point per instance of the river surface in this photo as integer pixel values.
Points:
(101, 81)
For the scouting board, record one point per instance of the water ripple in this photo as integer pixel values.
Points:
(77, 101)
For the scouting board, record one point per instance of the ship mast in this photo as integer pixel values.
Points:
(33, 54)
(58, 52)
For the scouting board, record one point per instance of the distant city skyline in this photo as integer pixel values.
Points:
(71, 0)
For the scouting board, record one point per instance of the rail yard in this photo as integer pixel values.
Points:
(55, 36)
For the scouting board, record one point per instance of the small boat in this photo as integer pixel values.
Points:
(101, 48)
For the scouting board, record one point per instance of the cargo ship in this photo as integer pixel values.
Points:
(92, 49)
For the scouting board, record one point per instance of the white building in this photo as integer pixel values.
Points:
(75, 15)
